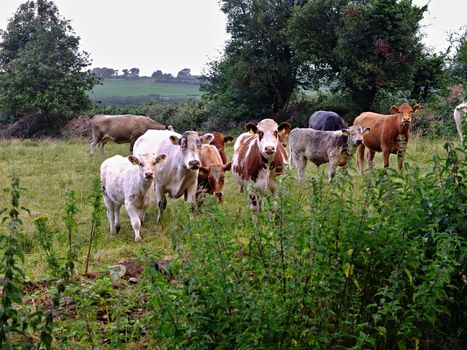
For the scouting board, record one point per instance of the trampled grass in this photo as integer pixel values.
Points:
(49, 169)
(142, 87)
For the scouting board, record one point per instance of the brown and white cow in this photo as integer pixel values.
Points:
(460, 116)
(121, 129)
(178, 175)
(212, 172)
(389, 134)
(259, 157)
(319, 147)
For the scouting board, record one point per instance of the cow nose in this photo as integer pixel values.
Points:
(359, 142)
(269, 149)
(149, 174)
(194, 164)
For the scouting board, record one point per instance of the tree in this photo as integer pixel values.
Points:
(458, 60)
(134, 72)
(256, 76)
(362, 46)
(105, 73)
(184, 73)
(43, 69)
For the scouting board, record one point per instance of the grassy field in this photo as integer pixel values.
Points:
(49, 169)
(351, 264)
(142, 87)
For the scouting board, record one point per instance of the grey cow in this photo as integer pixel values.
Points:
(319, 147)
(327, 121)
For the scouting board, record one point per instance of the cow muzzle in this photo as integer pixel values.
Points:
(359, 142)
(149, 175)
(193, 164)
(269, 150)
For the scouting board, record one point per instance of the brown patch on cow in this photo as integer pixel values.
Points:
(249, 167)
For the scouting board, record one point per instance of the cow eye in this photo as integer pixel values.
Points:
(275, 133)
(260, 134)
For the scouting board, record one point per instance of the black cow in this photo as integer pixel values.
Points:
(327, 121)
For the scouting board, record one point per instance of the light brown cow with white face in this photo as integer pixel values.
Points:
(389, 134)
(254, 160)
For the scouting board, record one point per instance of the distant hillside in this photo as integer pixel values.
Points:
(136, 91)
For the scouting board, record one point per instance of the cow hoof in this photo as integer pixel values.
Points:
(137, 239)
(117, 229)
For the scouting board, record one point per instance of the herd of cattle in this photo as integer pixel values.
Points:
(192, 165)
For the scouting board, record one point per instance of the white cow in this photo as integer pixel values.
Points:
(460, 113)
(178, 175)
(129, 181)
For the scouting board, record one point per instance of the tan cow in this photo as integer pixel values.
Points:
(212, 172)
(121, 129)
(389, 134)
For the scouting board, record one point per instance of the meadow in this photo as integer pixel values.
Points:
(141, 87)
(371, 261)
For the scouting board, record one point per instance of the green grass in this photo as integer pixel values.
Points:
(49, 169)
(142, 87)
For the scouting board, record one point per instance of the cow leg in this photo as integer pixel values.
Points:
(332, 170)
(371, 157)
(386, 153)
(101, 147)
(301, 165)
(91, 147)
(400, 158)
(110, 214)
(135, 220)
(162, 204)
(360, 157)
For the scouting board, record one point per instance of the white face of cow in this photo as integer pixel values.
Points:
(190, 144)
(147, 164)
(268, 135)
(355, 134)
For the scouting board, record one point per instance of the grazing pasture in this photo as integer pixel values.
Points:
(365, 261)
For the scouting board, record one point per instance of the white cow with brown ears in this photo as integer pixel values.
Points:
(460, 114)
(129, 181)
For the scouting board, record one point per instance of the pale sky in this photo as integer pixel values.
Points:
(171, 35)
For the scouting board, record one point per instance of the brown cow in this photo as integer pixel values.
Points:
(259, 157)
(211, 173)
(219, 141)
(121, 129)
(389, 134)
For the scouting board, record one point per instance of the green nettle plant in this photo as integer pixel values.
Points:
(341, 266)
(17, 324)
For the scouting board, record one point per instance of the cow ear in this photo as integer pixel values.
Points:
(345, 132)
(133, 160)
(366, 131)
(207, 138)
(175, 139)
(251, 128)
(160, 158)
(228, 166)
(416, 108)
(228, 139)
(285, 128)
(395, 109)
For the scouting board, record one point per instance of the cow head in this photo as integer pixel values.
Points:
(355, 134)
(190, 144)
(147, 164)
(404, 113)
(219, 141)
(215, 175)
(268, 132)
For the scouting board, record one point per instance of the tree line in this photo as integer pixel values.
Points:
(183, 75)
(366, 52)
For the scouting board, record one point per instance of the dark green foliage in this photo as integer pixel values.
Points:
(367, 45)
(256, 75)
(43, 69)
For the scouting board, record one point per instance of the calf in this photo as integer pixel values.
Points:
(460, 113)
(211, 173)
(327, 121)
(219, 142)
(254, 161)
(129, 181)
(319, 147)
(178, 175)
(389, 134)
(121, 129)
